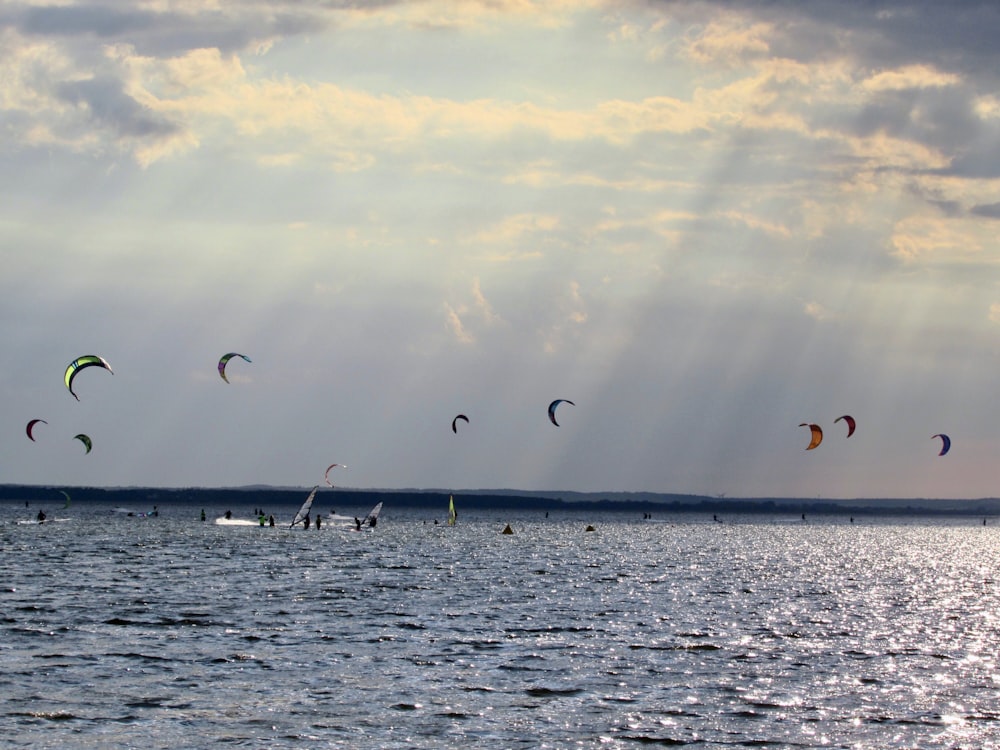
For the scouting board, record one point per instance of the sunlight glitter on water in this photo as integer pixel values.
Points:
(754, 632)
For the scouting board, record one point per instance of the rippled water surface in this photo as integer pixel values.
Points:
(166, 632)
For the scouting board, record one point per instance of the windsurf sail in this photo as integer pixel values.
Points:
(306, 506)
(372, 518)
(452, 515)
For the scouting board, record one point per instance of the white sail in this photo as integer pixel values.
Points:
(372, 518)
(452, 515)
(306, 506)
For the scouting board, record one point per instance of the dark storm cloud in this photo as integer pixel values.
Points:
(958, 36)
(168, 33)
(875, 35)
(989, 211)
(112, 108)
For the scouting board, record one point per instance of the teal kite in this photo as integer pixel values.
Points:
(225, 359)
(85, 440)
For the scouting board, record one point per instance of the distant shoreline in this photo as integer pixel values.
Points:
(625, 502)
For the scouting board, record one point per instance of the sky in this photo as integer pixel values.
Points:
(703, 223)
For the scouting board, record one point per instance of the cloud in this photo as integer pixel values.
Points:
(957, 36)
(465, 314)
(457, 328)
(908, 78)
(166, 33)
(515, 228)
(988, 210)
(921, 238)
(482, 305)
(108, 106)
(730, 42)
(817, 311)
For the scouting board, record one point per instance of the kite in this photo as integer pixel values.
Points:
(327, 475)
(817, 435)
(552, 409)
(225, 359)
(82, 363)
(851, 424)
(85, 440)
(31, 426)
(945, 443)
(454, 422)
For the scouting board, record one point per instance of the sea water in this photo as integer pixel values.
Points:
(769, 632)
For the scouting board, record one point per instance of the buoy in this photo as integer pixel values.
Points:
(590, 528)
(507, 529)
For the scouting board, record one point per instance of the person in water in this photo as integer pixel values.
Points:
(305, 521)
(357, 523)
(202, 514)
(271, 520)
(318, 520)
(41, 516)
(229, 514)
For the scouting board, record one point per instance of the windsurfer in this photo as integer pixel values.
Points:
(357, 523)
(305, 521)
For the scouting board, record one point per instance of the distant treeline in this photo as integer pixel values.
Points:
(641, 503)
